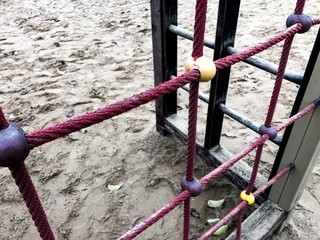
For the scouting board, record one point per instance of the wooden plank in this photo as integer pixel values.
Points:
(303, 145)
(239, 174)
(225, 35)
(163, 14)
(262, 223)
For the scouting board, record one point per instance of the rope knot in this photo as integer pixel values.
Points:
(193, 186)
(247, 197)
(304, 19)
(14, 147)
(204, 65)
(271, 131)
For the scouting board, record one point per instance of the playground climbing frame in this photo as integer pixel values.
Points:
(299, 148)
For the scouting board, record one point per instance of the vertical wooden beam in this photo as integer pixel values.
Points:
(225, 35)
(302, 141)
(164, 13)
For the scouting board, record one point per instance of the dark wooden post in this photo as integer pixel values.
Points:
(164, 13)
(225, 37)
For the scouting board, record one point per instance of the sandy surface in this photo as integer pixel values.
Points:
(60, 58)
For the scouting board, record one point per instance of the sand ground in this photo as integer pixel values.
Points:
(60, 58)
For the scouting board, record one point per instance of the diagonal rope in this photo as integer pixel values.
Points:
(254, 144)
(243, 204)
(136, 230)
(140, 227)
(279, 80)
(62, 129)
(272, 107)
(30, 196)
(240, 56)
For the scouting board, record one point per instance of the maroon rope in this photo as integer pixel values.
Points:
(242, 205)
(139, 228)
(199, 28)
(186, 218)
(32, 200)
(224, 220)
(233, 160)
(198, 43)
(273, 103)
(62, 129)
(191, 151)
(240, 56)
(211, 176)
(255, 169)
(299, 6)
(239, 225)
(30, 196)
(253, 145)
(272, 181)
(3, 121)
(270, 114)
(296, 117)
(279, 80)
(192, 130)
(40, 137)
(316, 21)
(250, 186)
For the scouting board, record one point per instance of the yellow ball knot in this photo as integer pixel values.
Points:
(249, 198)
(204, 65)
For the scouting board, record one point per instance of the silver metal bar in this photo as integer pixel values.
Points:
(235, 115)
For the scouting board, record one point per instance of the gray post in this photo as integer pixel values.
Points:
(303, 143)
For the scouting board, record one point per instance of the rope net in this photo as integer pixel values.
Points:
(40, 137)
